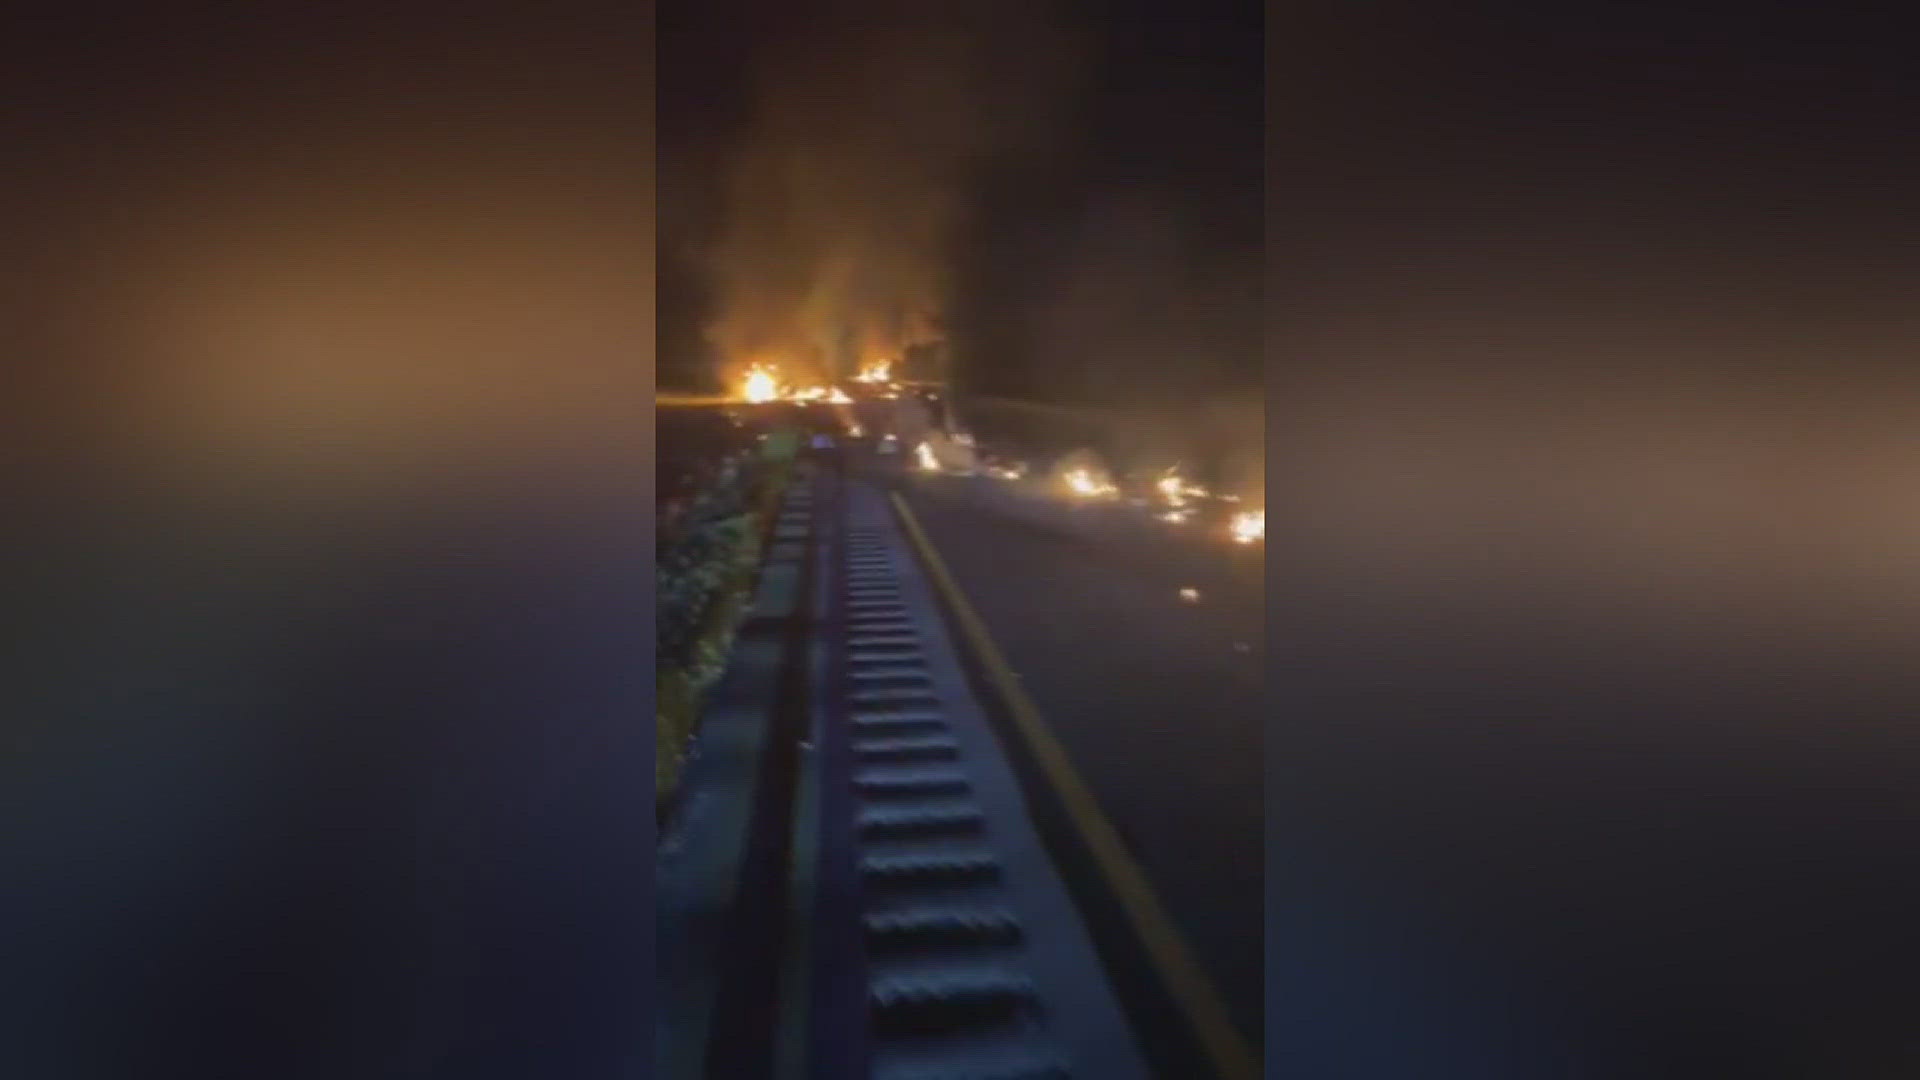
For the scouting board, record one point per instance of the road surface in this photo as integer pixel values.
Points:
(1156, 698)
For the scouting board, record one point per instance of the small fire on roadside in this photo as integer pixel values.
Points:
(1175, 489)
(1249, 526)
(928, 462)
(1084, 484)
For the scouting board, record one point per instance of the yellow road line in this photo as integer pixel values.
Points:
(1200, 1003)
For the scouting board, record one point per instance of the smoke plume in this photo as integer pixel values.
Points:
(844, 197)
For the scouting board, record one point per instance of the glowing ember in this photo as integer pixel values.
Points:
(1084, 484)
(760, 387)
(928, 462)
(1191, 596)
(1249, 525)
(855, 431)
(1177, 517)
(1014, 471)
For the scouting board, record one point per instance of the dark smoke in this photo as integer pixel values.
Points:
(844, 198)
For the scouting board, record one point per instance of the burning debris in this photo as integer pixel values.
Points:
(761, 385)
(1083, 476)
(1248, 526)
(1083, 483)
(1176, 490)
(924, 457)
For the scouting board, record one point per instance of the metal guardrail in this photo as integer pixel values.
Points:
(945, 945)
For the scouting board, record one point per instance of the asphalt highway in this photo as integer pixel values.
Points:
(1156, 695)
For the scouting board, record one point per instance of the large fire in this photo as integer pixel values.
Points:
(760, 386)
(878, 371)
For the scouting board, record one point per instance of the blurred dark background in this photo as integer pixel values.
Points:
(1592, 745)
(330, 330)
(1100, 240)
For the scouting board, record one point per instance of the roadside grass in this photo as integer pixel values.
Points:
(710, 595)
